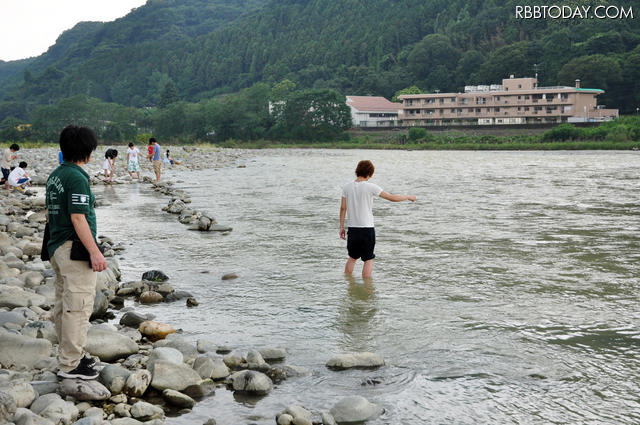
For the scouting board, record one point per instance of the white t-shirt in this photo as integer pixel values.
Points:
(6, 158)
(15, 175)
(359, 197)
(133, 153)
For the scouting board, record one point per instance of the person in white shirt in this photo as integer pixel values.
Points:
(133, 165)
(5, 164)
(18, 178)
(357, 204)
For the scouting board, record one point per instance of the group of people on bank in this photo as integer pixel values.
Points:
(133, 164)
(70, 237)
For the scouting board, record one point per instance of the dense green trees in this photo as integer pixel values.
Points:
(207, 48)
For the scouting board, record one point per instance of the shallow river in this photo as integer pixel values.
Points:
(508, 293)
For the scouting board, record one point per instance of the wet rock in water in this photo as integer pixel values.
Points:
(298, 412)
(274, 354)
(355, 360)
(176, 398)
(281, 373)
(114, 377)
(168, 375)
(204, 365)
(192, 302)
(327, 419)
(151, 297)
(155, 276)
(234, 361)
(220, 370)
(355, 409)
(210, 422)
(7, 407)
(155, 331)
(204, 346)
(256, 362)
(220, 228)
(109, 345)
(84, 390)
(137, 383)
(223, 349)
(204, 389)
(177, 296)
(132, 319)
(22, 392)
(21, 351)
(251, 382)
(229, 276)
(146, 411)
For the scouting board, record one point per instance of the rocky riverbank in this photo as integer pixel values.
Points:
(148, 368)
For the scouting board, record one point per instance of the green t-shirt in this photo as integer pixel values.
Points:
(68, 193)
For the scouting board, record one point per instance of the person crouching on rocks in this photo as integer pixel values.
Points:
(73, 251)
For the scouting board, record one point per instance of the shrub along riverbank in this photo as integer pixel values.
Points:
(621, 134)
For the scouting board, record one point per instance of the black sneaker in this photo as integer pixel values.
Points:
(81, 372)
(88, 361)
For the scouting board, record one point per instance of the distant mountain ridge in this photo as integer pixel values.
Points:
(358, 47)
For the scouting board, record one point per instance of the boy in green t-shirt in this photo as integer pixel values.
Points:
(72, 222)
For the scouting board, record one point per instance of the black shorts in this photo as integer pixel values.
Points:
(360, 242)
(5, 173)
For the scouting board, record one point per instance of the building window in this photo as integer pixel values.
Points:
(496, 109)
(519, 86)
(526, 108)
(470, 109)
(453, 110)
(478, 110)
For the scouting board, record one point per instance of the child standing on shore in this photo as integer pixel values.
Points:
(8, 155)
(109, 164)
(133, 166)
(357, 203)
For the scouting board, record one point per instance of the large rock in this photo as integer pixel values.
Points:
(21, 351)
(27, 417)
(204, 346)
(84, 390)
(100, 305)
(252, 382)
(168, 375)
(22, 392)
(109, 345)
(176, 398)
(256, 362)
(52, 407)
(164, 353)
(7, 407)
(220, 370)
(150, 297)
(13, 296)
(12, 317)
(273, 354)
(355, 360)
(354, 409)
(188, 350)
(132, 319)
(41, 329)
(114, 377)
(137, 383)
(204, 366)
(31, 279)
(155, 276)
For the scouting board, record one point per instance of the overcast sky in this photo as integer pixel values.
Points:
(29, 27)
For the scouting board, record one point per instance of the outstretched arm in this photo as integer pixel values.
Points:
(396, 198)
(343, 214)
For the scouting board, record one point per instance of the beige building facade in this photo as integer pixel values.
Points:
(516, 101)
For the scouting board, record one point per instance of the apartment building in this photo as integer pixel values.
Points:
(516, 101)
(373, 111)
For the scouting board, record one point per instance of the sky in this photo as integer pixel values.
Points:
(29, 27)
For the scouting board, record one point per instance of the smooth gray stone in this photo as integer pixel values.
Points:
(7, 406)
(170, 354)
(220, 370)
(12, 296)
(146, 411)
(355, 360)
(132, 319)
(256, 362)
(168, 375)
(45, 387)
(109, 345)
(21, 351)
(252, 382)
(12, 317)
(206, 346)
(27, 417)
(273, 353)
(188, 350)
(83, 390)
(42, 329)
(178, 399)
(155, 276)
(126, 421)
(51, 406)
(114, 377)
(100, 305)
(204, 366)
(137, 383)
(297, 411)
(354, 409)
(327, 419)
(22, 392)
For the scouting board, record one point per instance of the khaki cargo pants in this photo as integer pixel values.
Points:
(75, 291)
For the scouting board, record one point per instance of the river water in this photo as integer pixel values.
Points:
(508, 293)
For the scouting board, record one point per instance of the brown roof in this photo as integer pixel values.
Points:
(372, 103)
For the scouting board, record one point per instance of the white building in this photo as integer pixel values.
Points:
(373, 111)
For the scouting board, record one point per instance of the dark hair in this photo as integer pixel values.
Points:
(111, 153)
(365, 168)
(130, 144)
(22, 164)
(15, 147)
(77, 143)
(152, 140)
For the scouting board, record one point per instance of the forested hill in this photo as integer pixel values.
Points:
(355, 46)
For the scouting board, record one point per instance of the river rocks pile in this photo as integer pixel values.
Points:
(153, 288)
(195, 219)
(349, 410)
